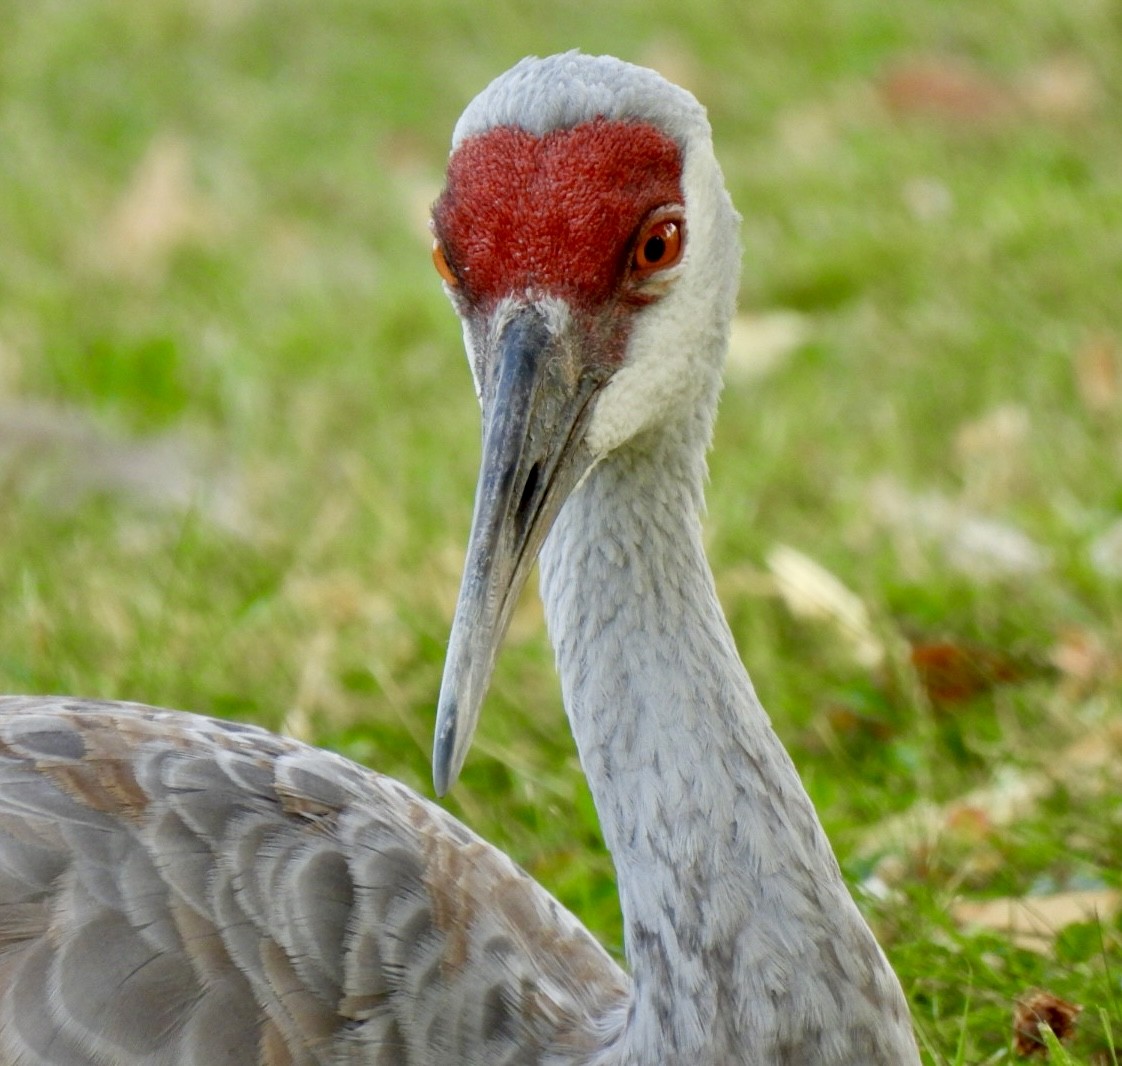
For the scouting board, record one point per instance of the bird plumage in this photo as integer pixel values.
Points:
(175, 889)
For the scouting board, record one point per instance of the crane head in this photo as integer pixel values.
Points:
(586, 240)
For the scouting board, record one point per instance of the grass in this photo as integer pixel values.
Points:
(213, 217)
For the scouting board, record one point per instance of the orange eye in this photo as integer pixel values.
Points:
(443, 268)
(659, 246)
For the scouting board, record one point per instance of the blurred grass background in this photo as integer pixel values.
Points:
(238, 442)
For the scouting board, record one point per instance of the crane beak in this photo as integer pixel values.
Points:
(537, 391)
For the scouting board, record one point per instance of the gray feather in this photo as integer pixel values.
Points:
(177, 891)
(561, 91)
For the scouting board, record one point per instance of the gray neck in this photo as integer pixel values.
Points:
(744, 945)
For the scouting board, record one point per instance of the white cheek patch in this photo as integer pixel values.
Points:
(677, 344)
(654, 380)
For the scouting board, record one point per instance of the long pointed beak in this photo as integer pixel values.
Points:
(536, 403)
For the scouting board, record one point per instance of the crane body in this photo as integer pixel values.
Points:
(180, 890)
(176, 890)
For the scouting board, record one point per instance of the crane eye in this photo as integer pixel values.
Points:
(443, 267)
(659, 245)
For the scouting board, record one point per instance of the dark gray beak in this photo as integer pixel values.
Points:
(538, 388)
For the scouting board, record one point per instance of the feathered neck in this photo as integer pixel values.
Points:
(743, 942)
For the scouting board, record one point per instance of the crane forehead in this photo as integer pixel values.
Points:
(557, 212)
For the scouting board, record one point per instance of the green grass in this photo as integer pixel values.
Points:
(290, 325)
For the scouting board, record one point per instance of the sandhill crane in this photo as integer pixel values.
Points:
(180, 890)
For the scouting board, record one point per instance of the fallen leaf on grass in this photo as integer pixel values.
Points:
(62, 456)
(1098, 373)
(1062, 89)
(946, 88)
(417, 179)
(1093, 762)
(159, 210)
(846, 721)
(760, 344)
(810, 591)
(1083, 660)
(927, 198)
(317, 691)
(1034, 922)
(1012, 795)
(954, 673)
(1032, 1013)
(676, 63)
(812, 131)
(981, 547)
(970, 824)
(1106, 551)
(991, 452)
(952, 90)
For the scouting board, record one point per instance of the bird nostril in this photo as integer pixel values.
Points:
(529, 492)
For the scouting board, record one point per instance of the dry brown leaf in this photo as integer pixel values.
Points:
(63, 456)
(928, 199)
(317, 690)
(953, 673)
(1090, 763)
(336, 597)
(417, 178)
(957, 92)
(991, 453)
(1106, 551)
(1083, 661)
(1064, 89)
(812, 131)
(948, 89)
(970, 824)
(1098, 373)
(1033, 922)
(981, 547)
(760, 344)
(1034, 1011)
(1095, 751)
(675, 63)
(810, 591)
(158, 211)
(808, 133)
(845, 720)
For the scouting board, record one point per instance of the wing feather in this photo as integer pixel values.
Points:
(175, 889)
